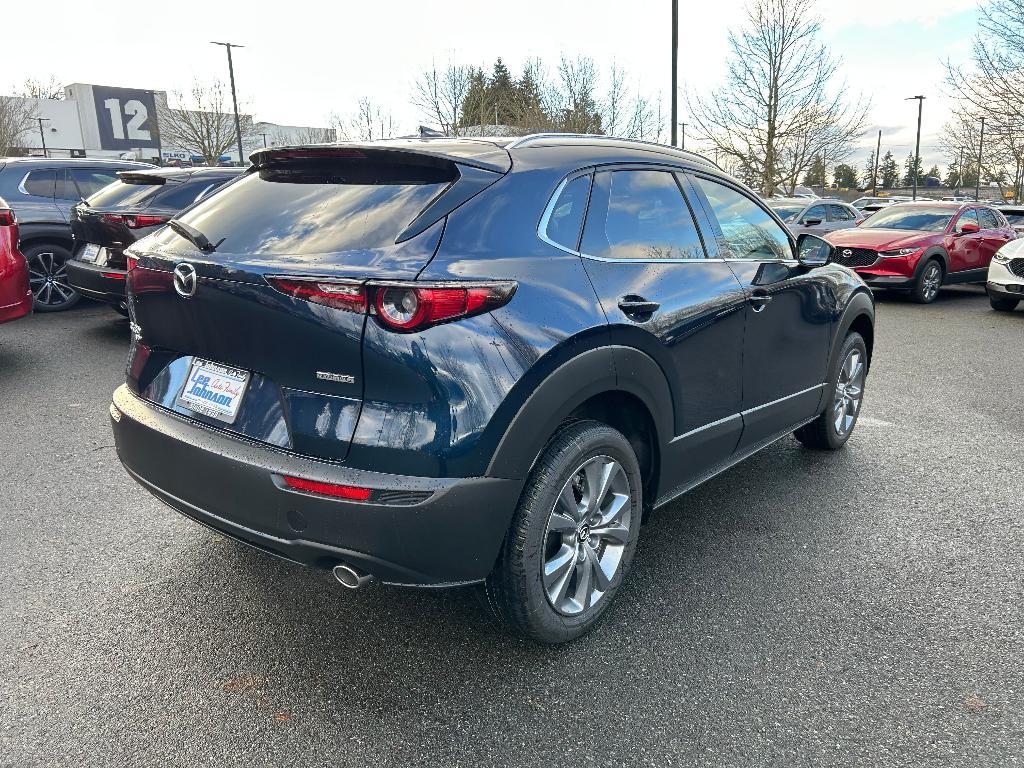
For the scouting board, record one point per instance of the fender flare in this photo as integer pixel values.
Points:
(928, 255)
(593, 372)
(32, 232)
(861, 304)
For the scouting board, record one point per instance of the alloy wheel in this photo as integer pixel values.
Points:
(932, 281)
(586, 535)
(47, 276)
(849, 392)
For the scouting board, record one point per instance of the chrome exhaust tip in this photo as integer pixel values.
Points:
(351, 577)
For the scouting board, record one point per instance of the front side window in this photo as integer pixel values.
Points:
(566, 217)
(967, 217)
(640, 214)
(39, 183)
(748, 232)
(817, 212)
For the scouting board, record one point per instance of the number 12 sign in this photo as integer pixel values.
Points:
(126, 118)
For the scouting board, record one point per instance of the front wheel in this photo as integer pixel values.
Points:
(833, 427)
(572, 537)
(928, 283)
(48, 278)
(1001, 304)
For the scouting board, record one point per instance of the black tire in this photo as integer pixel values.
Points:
(48, 277)
(823, 434)
(1001, 304)
(926, 289)
(515, 591)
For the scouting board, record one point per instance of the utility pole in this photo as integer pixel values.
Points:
(874, 178)
(683, 127)
(264, 140)
(917, 148)
(42, 136)
(675, 69)
(960, 172)
(981, 147)
(234, 98)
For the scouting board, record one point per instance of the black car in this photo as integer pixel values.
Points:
(138, 203)
(41, 191)
(457, 361)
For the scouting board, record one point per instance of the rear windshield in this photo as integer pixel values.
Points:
(121, 195)
(1013, 217)
(911, 217)
(786, 211)
(319, 206)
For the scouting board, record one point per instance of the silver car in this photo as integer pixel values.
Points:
(815, 217)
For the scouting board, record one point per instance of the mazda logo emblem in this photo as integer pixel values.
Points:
(185, 280)
(847, 252)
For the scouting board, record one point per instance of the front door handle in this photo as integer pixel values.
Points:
(759, 300)
(638, 306)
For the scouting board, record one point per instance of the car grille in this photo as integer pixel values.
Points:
(855, 257)
(1016, 267)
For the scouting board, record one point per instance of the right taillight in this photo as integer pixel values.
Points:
(7, 218)
(403, 307)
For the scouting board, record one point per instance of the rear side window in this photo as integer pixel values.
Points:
(40, 183)
(306, 207)
(840, 213)
(640, 215)
(178, 196)
(748, 232)
(83, 182)
(988, 219)
(566, 217)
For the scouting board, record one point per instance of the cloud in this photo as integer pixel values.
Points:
(885, 13)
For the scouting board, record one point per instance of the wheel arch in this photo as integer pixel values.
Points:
(859, 316)
(31, 235)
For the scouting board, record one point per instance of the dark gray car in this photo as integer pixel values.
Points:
(41, 192)
(815, 217)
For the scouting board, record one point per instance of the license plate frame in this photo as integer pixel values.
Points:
(90, 253)
(207, 397)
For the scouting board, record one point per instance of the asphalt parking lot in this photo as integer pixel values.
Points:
(861, 608)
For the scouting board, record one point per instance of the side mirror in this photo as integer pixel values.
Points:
(812, 222)
(812, 251)
(967, 228)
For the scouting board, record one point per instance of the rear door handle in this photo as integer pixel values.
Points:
(759, 300)
(636, 306)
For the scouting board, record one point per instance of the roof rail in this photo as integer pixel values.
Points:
(523, 141)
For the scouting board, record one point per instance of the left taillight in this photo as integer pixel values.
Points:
(403, 307)
(133, 262)
(134, 220)
(7, 218)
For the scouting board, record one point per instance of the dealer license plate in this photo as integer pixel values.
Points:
(90, 252)
(214, 390)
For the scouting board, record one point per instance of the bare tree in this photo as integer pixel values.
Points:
(206, 125)
(615, 109)
(40, 89)
(576, 97)
(440, 94)
(777, 111)
(17, 117)
(315, 136)
(371, 121)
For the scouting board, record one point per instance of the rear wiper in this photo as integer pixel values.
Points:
(193, 235)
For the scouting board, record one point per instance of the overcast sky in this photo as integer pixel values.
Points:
(304, 60)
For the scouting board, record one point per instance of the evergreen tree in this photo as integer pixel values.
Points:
(934, 172)
(845, 176)
(889, 171)
(477, 102)
(908, 171)
(953, 179)
(815, 176)
(868, 176)
(502, 95)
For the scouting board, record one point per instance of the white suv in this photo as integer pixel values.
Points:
(1005, 283)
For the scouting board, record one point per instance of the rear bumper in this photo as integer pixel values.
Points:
(96, 282)
(451, 536)
(18, 309)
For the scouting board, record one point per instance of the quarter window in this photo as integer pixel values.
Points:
(566, 218)
(748, 232)
(639, 214)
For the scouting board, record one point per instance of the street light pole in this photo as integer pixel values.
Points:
(683, 127)
(42, 136)
(960, 172)
(675, 69)
(234, 97)
(264, 140)
(917, 147)
(981, 146)
(874, 177)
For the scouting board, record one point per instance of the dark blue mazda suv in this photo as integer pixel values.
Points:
(458, 361)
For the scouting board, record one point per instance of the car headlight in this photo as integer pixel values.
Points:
(1001, 257)
(898, 252)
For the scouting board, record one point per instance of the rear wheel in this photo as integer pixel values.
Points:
(1001, 304)
(48, 277)
(572, 537)
(928, 282)
(833, 427)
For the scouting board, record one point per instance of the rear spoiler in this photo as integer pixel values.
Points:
(476, 165)
(140, 177)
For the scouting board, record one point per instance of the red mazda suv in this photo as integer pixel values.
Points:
(15, 294)
(919, 247)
